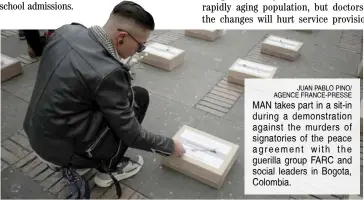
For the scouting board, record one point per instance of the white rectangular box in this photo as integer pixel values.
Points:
(242, 69)
(360, 69)
(163, 56)
(10, 68)
(281, 47)
(209, 35)
(208, 159)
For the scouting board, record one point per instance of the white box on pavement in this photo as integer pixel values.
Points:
(242, 69)
(281, 47)
(163, 56)
(208, 159)
(209, 35)
(10, 67)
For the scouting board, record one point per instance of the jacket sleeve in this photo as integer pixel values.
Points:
(111, 96)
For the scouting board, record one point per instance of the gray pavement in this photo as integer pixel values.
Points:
(176, 98)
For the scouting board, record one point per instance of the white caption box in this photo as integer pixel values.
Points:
(209, 35)
(163, 56)
(243, 69)
(10, 68)
(210, 168)
(281, 47)
(296, 163)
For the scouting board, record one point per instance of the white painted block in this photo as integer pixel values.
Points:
(281, 47)
(360, 69)
(242, 69)
(163, 56)
(209, 35)
(10, 67)
(208, 158)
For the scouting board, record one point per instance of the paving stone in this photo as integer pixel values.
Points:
(30, 157)
(166, 116)
(12, 114)
(219, 98)
(27, 57)
(16, 185)
(6, 34)
(327, 38)
(137, 195)
(64, 193)
(97, 192)
(231, 85)
(27, 168)
(213, 106)
(22, 132)
(14, 148)
(10, 32)
(55, 189)
(22, 86)
(42, 176)
(37, 170)
(227, 96)
(151, 163)
(217, 102)
(8, 156)
(51, 180)
(182, 88)
(21, 140)
(226, 91)
(111, 193)
(4, 165)
(23, 60)
(228, 87)
(216, 55)
(13, 47)
(210, 110)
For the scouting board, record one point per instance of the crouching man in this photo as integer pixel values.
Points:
(84, 112)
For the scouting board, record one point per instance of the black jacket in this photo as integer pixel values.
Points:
(80, 103)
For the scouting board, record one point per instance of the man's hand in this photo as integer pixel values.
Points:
(179, 150)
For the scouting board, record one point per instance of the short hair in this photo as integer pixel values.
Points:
(134, 11)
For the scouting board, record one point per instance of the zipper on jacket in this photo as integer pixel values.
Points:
(159, 151)
(92, 147)
(117, 153)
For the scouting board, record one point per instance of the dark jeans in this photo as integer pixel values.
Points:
(141, 97)
(36, 41)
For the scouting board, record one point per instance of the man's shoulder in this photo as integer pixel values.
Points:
(86, 48)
